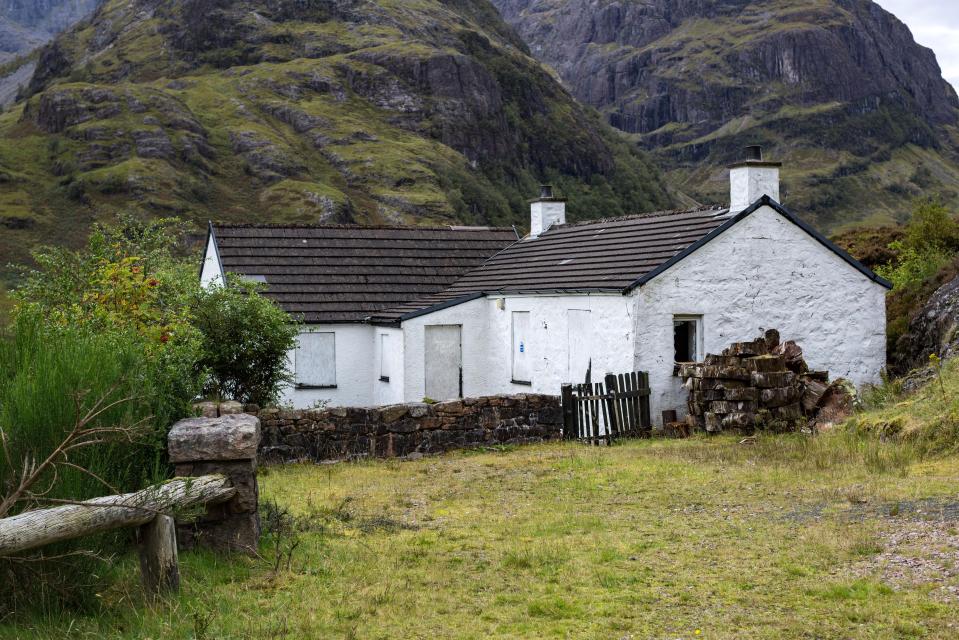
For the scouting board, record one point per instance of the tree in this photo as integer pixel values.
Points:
(246, 339)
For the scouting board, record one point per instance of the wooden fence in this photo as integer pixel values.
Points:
(149, 510)
(599, 413)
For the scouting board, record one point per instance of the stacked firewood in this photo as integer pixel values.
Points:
(762, 384)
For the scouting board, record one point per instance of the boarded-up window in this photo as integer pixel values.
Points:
(385, 357)
(579, 343)
(521, 372)
(316, 360)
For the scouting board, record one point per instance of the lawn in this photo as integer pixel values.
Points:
(786, 537)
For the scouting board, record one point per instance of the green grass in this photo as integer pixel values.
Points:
(650, 539)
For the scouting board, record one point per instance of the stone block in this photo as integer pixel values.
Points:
(714, 422)
(393, 413)
(725, 406)
(766, 364)
(207, 409)
(738, 421)
(231, 407)
(748, 394)
(754, 348)
(419, 410)
(773, 379)
(779, 396)
(230, 437)
(453, 407)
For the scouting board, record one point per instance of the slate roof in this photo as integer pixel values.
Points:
(328, 274)
(599, 255)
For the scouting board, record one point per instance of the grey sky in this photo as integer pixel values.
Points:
(935, 24)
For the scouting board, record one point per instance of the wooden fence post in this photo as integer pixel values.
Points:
(158, 556)
(612, 426)
(569, 422)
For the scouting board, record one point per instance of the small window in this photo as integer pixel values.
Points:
(315, 361)
(687, 338)
(384, 357)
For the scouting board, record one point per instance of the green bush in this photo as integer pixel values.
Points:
(50, 376)
(246, 339)
(930, 242)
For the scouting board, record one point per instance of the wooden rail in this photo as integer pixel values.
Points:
(148, 509)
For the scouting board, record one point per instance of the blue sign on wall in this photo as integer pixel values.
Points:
(522, 347)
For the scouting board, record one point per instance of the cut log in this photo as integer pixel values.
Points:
(158, 556)
(46, 526)
(813, 391)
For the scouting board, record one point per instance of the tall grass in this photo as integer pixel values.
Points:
(47, 379)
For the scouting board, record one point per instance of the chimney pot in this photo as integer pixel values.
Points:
(754, 153)
(546, 191)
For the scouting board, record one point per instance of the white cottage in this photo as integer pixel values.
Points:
(394, 314)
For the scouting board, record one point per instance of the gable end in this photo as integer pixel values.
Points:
(765, 201)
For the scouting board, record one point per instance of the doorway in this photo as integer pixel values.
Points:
(444, 361)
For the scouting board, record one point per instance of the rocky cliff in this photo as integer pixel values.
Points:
(301, 111)
(27, 24)
(836, 88)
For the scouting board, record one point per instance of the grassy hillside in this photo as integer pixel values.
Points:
(290, 111)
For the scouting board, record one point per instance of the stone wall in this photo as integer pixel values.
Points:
(407, 429)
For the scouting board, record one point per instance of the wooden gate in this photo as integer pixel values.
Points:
(604, 411)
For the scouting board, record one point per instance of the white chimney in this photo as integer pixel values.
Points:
(546, 211)
(752, 179)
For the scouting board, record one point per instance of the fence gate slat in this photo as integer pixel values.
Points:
(566, 393)
(612, 424)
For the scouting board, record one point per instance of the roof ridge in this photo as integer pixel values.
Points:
(373, 227)
(638, 216)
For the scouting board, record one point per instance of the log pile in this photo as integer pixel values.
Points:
(761, 384)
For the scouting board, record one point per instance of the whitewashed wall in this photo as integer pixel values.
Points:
(210, 274)
(763, 273)
(355, 368)
(388, 392)
(487, 342)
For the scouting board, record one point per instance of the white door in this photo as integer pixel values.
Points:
(521, 371)
(444, 361)
(579, 343)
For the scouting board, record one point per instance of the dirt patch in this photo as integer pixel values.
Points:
(917, 552)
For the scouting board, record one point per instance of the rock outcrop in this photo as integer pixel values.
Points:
(932, 331)
(836, 88)
(291, 111)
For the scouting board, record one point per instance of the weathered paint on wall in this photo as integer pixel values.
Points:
(763, 273)
(487, 342)
(388, 392)
(211, 273)
(355, 347)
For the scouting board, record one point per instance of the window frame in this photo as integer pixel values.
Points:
(698, 339)
(384, 363)
(299, 383)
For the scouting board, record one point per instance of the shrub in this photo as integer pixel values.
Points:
(49, 376)
(931, 239)
(246, 339)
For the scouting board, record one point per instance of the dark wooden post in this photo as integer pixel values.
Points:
(158, 556)
(615, 430)
(569, 420)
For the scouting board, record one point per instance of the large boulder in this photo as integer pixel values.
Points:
(934, 330)
(229, 437)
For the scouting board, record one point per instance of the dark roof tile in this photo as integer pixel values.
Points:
(327, 274)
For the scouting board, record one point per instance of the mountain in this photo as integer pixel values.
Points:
(28, 24)
(301, 111)
(837, 89)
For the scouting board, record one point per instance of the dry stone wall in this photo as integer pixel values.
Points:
(407, 429)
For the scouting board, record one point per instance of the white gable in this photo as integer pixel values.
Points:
(764, 272)
(211, 273)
